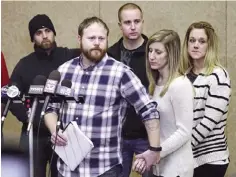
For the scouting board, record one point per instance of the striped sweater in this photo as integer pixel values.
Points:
(211, 101)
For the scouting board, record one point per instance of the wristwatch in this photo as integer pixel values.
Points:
(156, 149)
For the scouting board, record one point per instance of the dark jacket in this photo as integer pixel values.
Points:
(37, 63)
(133, 127)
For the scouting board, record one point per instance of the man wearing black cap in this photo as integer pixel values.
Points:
(46, 58)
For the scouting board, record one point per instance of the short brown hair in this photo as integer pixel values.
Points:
(128, 6)
(89, 21)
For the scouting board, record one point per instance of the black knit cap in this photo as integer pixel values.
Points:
(40, 21)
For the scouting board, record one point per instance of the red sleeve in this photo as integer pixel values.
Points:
(4, 72)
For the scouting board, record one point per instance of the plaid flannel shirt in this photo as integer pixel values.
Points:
(106, 88)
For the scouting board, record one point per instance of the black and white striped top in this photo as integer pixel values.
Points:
(211, 101)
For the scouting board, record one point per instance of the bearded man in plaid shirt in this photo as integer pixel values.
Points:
(107, 87)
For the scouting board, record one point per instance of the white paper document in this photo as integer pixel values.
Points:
(78, 146)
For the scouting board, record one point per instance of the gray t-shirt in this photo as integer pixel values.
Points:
(126, 55)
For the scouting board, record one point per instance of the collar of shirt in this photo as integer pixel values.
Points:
(190, 70)
(90, 68)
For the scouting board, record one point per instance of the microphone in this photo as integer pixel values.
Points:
(12, 93)
(35, 90)
(50, 89)
(63, 91)
(4, 94)
(38, 85)
(65, 88)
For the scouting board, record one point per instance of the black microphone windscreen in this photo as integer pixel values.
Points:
(39, 80)
(66, 83)
(55, 75)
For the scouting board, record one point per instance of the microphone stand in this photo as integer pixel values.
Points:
(4, 114)
(31, 151)
(60, 116)
(31, 135)
(5, 108)
(57, 129)
(59, 119)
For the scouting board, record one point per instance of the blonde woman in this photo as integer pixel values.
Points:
(174, 94)
(212, 86)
